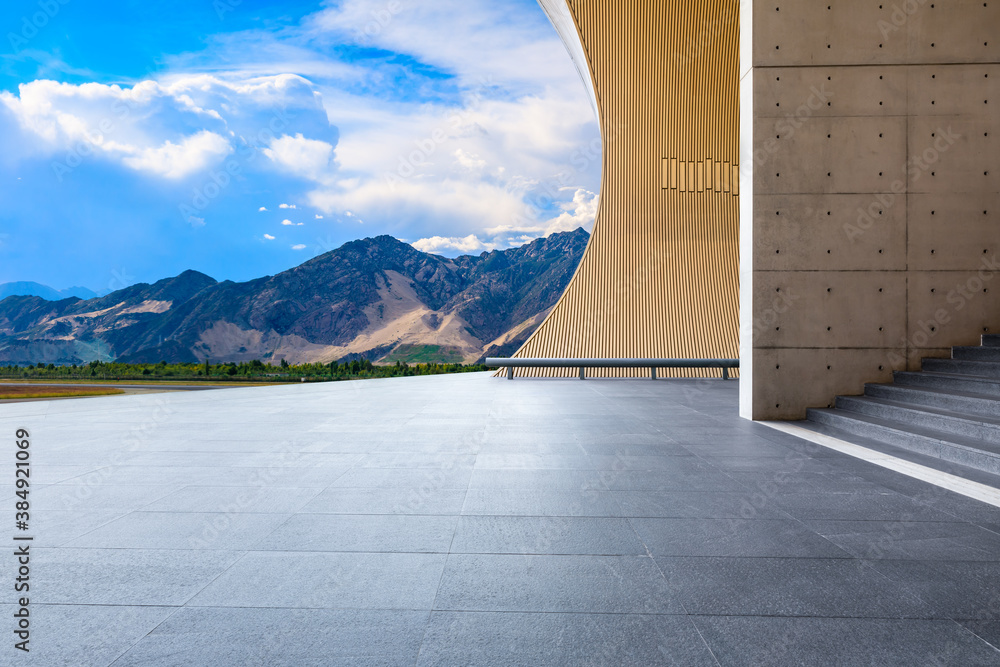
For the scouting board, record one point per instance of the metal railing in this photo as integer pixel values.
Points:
(583, 364)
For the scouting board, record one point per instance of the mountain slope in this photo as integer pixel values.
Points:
(376, 298)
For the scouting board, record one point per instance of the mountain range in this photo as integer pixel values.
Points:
(28, 288)
(376, 298)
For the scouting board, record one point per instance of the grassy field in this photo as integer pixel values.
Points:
(140, 382)
(42, 391)
(425, 354)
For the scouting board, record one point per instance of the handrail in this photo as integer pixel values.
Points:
(584, 363)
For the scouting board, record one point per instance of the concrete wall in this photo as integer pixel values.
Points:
(870, 221)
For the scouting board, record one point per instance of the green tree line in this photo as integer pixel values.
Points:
(245, 371)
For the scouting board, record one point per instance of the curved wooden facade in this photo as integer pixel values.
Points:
(660, 277)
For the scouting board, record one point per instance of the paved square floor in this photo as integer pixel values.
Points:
(469, 520)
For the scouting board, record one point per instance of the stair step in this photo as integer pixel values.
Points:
(976, 368)
(967, 403)
(976, 353)
(905, 454)
(991, 340)
(935, 418)
(955, 449)
(949, 382)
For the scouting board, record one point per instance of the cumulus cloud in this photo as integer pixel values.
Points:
(309, 158)
(299, 246)
(468, 244)
(580, 212)
(428, 170)
(469, 161)
(287, 223)
(319, 217)
(286, 206)
(268, 237)
(169, 128)
(262, 208)
(171, 160)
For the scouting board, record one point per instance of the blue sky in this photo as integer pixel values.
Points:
(241, 138)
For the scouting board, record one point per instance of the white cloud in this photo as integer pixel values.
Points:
(287, 223)
(173, 127)
(171, 160)
(268, 237)
(300, 246)
(468, 244)
(512, 45)
(262, 208)
(298, 155)
(453, 171)
(469, 161)
(578, 213)
(479, 154)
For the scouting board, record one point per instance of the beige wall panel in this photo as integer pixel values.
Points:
(828, 155)
(935, 72)
(952, 231)
(953, 31)
(829, 232)
(947, 308)
(808, 33)
(659, 277)
(953, 154)
(831, 309)
(955, 90)
(813, 374)
(850, 91)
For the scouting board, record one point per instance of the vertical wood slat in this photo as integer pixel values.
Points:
(659, 277)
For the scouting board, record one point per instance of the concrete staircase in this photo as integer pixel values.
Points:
(950, 410)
